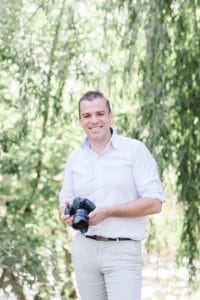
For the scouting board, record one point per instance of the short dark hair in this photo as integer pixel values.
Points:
(91, 96)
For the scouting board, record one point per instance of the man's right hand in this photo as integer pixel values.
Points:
(67, 219)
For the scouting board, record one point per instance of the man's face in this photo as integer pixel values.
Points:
(95, 119)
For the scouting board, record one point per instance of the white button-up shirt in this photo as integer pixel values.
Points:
(124, 171)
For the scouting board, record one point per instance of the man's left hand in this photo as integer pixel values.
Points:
(97, 215)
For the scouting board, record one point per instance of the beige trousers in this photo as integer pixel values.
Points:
(108, 270)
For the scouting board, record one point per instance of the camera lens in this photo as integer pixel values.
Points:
(80, 220)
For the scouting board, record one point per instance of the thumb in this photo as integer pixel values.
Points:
(92, 213)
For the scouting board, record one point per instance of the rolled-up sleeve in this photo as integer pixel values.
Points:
(145, 173)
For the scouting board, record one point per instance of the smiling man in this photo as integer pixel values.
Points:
(95, 118)
(119, 175)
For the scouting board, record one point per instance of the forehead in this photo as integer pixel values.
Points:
(98, 104)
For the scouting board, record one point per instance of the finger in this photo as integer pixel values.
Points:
(67, 204)
(66, 217)
(92, 214)
(68, 221)
(63, 215)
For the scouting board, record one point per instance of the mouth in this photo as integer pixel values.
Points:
(96, 127)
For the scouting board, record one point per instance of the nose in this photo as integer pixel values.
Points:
(94, 119)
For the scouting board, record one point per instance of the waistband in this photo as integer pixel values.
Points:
(105, 239)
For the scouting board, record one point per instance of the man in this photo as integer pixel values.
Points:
(120, 176)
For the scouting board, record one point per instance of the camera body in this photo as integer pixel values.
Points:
(80, 209)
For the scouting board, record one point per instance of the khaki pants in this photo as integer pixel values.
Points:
(108, 270)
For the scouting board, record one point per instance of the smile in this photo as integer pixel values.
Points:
(96, 127)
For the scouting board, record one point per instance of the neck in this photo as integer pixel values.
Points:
(98, 146)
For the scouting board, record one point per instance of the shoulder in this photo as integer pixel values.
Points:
(75, 154)
(134, 144)
(134, 148)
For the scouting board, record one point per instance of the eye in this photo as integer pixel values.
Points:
(85, 116)
(101, 114)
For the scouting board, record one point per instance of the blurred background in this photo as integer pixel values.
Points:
(145, 56)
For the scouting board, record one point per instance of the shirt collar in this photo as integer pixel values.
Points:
(113, 140)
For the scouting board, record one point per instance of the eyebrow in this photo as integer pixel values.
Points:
(97, 112)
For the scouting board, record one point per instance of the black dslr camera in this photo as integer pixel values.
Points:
(80, 209)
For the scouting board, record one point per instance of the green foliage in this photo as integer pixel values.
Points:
(169, 104)
(32, 152)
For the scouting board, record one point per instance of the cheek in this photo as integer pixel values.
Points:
(109, 122)
(82, 123)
